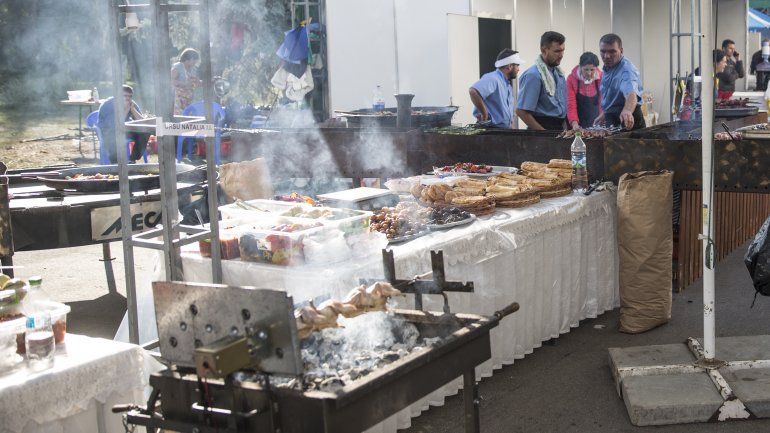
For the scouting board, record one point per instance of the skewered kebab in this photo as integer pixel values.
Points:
(592, 132)
(358, 301)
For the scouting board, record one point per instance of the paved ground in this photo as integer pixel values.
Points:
(564, 386)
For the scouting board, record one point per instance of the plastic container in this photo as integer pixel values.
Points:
(58, 312)
(280, 244)
(579, 168)
(79, 95)
(11, 333)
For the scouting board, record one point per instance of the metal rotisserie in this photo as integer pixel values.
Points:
(238, 366)
(249, 406)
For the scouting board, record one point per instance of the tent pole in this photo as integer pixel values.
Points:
(707, 234)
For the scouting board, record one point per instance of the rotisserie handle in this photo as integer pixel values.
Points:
(510, 309)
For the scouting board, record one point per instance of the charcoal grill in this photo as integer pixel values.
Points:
(192, 403)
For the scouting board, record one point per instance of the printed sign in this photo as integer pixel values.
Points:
(106, 225)
(183, 129)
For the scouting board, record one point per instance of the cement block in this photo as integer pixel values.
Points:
(643, 356)
(752, 387)
(674, 399)
(742, 348)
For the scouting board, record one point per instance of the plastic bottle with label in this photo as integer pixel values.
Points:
(378, 103)
(37, 300)
(579, 167)
(95, 94)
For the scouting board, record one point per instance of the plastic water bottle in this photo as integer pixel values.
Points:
(378, 102)
(95, 94)
(767, 101)
(579, 168)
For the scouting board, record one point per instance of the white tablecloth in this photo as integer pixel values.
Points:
(76, 395)
(557, 259)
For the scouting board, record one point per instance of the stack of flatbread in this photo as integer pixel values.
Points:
(552, 180)
(475, 204)
(513, 196)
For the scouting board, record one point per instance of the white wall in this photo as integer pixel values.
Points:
(502, 9)
(655, 56)
(463, 45)
(361, 46)
(627, 23)
(430, 61)
(598, 23)
(362, 38)
(567, 20)
(532, 19)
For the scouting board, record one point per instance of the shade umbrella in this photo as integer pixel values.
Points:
(757, 20)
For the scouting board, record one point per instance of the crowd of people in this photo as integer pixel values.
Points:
(550, 100)
(589, 96)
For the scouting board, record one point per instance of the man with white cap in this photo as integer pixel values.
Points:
(492, 94)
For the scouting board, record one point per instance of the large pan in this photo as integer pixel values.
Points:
(141, 177)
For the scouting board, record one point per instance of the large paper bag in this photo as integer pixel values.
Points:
(645, 244)
(245, 180)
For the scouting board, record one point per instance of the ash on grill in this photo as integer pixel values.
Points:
(334, 357)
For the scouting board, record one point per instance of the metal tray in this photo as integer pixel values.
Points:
(735, 112)
(142, 177)
(403, 239)
(446, 226)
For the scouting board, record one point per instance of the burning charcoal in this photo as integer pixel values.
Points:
(331, 384)
(429, 342)
(390, 356)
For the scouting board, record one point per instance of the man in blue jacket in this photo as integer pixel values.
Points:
(621, 87)
(106, 124)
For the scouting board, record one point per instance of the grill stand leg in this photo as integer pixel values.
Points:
(471, 402)
(108, 272)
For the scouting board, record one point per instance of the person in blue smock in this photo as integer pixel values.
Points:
(106, 124)
(492, 94)
(621, 87)
(542, 101)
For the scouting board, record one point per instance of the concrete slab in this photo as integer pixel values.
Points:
(746, 348)
(642, 356)
(671, 399)
(752, 387)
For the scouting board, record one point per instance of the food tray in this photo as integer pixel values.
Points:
(349, 221)
(736, 112)
(452, 224)
(402, 239)
(496, 170)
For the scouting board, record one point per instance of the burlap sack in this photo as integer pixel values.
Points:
(245, 180)
(645, 244)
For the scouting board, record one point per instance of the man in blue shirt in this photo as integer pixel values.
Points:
(542, 102)
(621, 87)
(106, 124)
(492, 94)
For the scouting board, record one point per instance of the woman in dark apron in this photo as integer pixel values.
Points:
(583, 96)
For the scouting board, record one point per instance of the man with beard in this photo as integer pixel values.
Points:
(542, 102)
(492, 94)
(621, 87)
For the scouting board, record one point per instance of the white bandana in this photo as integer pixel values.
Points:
(513, 58)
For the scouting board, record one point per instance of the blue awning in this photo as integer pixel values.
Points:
(758, 20)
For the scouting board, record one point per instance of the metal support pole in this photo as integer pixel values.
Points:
(707, 234)
(471, 402)
(108, 271)
(211, 151)
(125, 195)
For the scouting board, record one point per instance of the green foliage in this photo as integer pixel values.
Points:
(265, 22)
